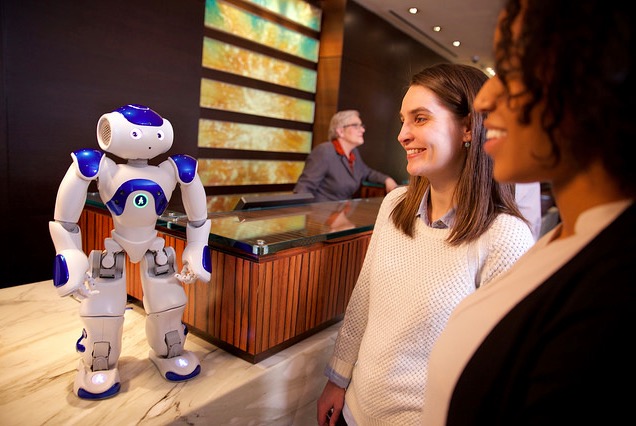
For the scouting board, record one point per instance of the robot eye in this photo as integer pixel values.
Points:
(136, 133)
(160, 134)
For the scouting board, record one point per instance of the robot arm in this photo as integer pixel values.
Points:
(70, 272)
(196, 256)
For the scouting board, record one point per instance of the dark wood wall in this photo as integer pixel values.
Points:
(65, 63)
(378, 61)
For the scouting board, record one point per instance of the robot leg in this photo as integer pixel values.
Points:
(103, 318)
(164, 302)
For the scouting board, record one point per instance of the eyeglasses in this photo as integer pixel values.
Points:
(356, 125)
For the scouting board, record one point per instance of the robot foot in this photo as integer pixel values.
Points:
(96, 384)
(178, 368)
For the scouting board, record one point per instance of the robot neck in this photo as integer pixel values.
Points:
(138, 162)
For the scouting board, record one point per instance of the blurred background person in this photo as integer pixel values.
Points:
(334, 170)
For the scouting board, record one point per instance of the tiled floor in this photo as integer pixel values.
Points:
(38, 331)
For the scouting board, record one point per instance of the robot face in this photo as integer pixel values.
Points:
(134, 132)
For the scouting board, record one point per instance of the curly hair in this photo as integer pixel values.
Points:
(576, 57)
(478, 196)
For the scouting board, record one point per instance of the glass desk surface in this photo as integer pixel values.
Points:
(268, 230)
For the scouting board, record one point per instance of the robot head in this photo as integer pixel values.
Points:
(134, 132)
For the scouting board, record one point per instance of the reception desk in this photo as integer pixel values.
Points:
(279, 275)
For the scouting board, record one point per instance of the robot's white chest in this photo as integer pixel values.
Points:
(136, 196)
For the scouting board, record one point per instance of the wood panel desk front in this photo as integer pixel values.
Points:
(279, 275)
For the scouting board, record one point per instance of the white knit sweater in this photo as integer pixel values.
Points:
(404, 295)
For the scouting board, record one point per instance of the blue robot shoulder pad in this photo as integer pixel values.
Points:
(88, 162)
(186, 167)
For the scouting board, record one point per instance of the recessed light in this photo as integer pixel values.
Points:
(437, 28)
(413, 10)
(456, 43)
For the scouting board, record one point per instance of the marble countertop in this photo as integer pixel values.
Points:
(38, 331)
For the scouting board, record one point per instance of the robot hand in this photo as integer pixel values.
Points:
(187, 276)
(70, 272)
(196, 256)
(71, 277)
(86, 289)
(196, 264)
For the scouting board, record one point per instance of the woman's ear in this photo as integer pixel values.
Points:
(467, 130)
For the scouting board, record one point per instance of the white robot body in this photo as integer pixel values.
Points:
(136, 194)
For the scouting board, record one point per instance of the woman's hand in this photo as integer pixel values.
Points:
(330, 404)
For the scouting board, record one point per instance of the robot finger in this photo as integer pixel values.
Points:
(186, 276)
(88, 289)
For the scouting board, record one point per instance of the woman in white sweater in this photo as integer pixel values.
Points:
(450, 231)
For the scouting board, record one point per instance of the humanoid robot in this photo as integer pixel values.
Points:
(136, 194)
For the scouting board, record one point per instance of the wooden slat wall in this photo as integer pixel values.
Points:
(256, 306)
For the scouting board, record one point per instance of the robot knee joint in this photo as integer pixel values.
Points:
(173, 344)
(107, 264)
(160, 263)
(101, 350)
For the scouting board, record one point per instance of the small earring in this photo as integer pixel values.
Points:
(467, 144)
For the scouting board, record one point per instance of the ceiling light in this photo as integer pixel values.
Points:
(437, 28)
(413, 10)
(456, 43)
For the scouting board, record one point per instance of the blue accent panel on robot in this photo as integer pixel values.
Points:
(88, 161)
(206, 259)
(118, 202)
(84, 394)
(141, 115)
(174, 377)
(60, 271)
(78, 345)
(187, 167)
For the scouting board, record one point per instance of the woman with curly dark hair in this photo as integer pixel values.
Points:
(549, 342)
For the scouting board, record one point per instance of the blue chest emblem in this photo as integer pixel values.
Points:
(118, 202)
